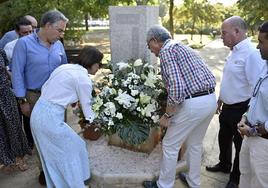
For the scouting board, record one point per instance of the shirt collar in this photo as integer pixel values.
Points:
(165, 44)
(37, 37)
(241, 44)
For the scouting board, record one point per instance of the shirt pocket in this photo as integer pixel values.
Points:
(238, 67)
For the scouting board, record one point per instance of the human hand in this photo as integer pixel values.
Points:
(219, 103)
(261, 129)
(164, 121)
(243, 128)
(26, 109)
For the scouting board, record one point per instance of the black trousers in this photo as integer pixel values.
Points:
(26, 127)
(27, 130)
(229, 117)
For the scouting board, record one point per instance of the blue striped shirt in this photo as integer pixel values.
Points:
(183, 71)
(33, 62)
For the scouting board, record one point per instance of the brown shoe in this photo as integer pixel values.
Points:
(41, 178)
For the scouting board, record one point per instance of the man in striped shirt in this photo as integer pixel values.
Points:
(190, 107)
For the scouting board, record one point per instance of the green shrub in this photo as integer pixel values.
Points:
(197, 46)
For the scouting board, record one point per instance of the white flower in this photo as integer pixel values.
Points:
(119, 115)
(150, 79)
(122, 65)
(144, 99)
(138, 63)
(135, 82)
(98, 103)
(110, 122)
(110, 108)
(124, 99)
(129, 79)
(155, 118)
(150, 108)
(111, 76)
(149, 66)
(134, 92)
(130, 87)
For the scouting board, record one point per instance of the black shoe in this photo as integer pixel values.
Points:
(218, 168)
(150, 184)
(182, 176)
(231, 184)
(42, 179)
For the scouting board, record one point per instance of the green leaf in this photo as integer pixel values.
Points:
(134, 133)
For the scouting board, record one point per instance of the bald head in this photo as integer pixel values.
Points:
(237, 21)
(32, 20)
(234, 30)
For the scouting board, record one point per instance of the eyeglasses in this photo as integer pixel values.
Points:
(60, 30)
(148, 43)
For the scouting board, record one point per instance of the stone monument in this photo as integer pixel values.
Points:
(128, 28)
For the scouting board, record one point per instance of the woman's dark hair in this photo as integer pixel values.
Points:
(89, 56)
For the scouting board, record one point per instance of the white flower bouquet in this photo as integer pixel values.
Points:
(128, 101)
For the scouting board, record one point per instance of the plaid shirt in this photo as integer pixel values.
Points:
(183, 71)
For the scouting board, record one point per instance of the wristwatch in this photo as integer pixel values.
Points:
(167, 115)
(21, 100)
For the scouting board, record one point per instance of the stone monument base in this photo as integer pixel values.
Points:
(114, 167)
(146, 147)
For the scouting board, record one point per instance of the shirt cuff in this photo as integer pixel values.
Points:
(91, 118)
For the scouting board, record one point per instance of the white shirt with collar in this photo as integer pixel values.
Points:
(258, 110)
(9, 47)
(241, 72)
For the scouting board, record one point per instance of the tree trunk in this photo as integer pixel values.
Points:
(201, 33)
(171, 24)
(86, 21)
(193, 25)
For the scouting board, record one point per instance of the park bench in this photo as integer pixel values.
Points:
(72, 54)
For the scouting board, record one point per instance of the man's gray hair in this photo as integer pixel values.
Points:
(159, 33)
(237, 21)
(53, 17)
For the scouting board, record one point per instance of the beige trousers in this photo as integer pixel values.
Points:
(253, 163)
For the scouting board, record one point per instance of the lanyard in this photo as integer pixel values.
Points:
(258, 85)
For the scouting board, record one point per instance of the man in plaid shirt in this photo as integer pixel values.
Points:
(190, 107)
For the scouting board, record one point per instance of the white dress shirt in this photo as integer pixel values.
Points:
(258, 110)
(9, 47)
(66, 85)
(240, 73)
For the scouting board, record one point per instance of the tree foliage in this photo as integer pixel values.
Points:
(75, 10)
(254, 12)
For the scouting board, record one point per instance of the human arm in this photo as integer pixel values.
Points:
(17, 77)
(84, 90)
(253, 67)
(219, 105)
(174, 84)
